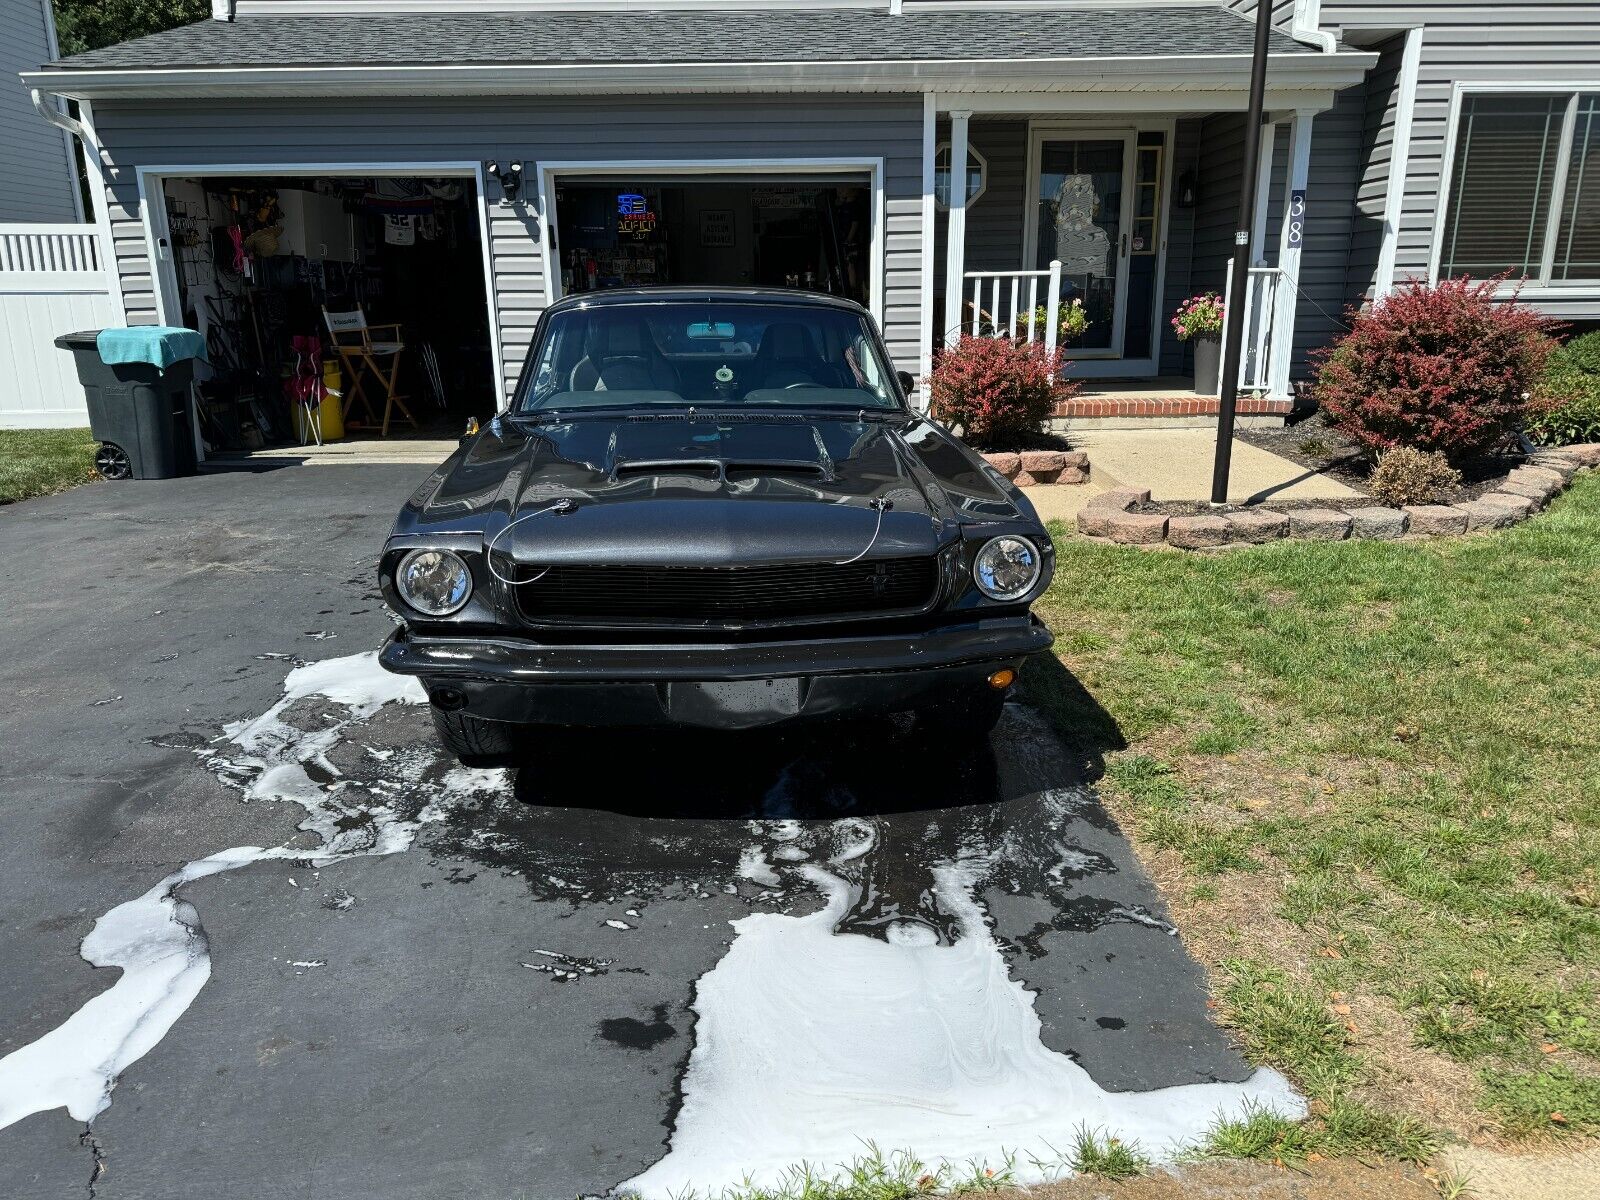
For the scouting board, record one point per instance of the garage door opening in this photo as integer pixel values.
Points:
(813, 232)
(261, 261)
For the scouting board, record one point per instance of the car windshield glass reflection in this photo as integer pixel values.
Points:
(744, 355)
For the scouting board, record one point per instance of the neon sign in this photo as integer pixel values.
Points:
(634, 218)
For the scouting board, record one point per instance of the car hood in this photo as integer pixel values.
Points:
(670, 490)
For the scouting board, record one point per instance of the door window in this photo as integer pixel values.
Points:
(1080, 223)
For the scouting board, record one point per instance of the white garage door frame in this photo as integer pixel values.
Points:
(158, 237)
(872, 168)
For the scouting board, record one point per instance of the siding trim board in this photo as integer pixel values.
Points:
(151, 181)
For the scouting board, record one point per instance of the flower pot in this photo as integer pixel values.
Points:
(1207, 364)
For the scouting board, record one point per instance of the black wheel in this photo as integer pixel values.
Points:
(480, 743)
(969, 715)
(111, 460)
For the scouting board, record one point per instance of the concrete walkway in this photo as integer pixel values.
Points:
(351, 452)
(1176, 464)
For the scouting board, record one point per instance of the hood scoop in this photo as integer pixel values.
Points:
(724, 453)
(722, 469)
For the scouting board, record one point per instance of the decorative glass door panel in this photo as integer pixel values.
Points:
(1083, 220)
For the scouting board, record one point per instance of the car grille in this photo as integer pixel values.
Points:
(730, 595)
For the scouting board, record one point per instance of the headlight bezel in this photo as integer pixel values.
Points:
(409, 597)
(1008, 595)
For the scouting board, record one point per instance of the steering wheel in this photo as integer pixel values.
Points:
(801, 383)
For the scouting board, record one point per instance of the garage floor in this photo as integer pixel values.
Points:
(543, 985)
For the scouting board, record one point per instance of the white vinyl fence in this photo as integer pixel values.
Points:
(52, 281)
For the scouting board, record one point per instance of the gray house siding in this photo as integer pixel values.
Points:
(590, 129)
(1504, 41)
(38, 178)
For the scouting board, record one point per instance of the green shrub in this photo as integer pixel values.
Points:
(1568, 403)
(1406, 475)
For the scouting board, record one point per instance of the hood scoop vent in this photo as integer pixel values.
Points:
(720, 468)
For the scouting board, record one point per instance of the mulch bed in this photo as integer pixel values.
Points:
(1323, 449)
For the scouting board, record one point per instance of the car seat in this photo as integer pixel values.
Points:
(788, 356)
(621, 356)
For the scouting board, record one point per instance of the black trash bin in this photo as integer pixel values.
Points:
(138, 413)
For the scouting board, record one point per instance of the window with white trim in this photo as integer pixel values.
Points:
(977, 175)
(1524, 193)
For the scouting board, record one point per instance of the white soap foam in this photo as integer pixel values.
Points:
(809, 1042)
(157, 940)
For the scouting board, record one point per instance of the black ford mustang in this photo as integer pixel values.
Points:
(710, 507)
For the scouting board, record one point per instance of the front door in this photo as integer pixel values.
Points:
(1082, 191)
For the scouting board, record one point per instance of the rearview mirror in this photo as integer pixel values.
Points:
(703, 330)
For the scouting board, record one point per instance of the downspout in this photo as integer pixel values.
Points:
(71, 124)
(1306, 26)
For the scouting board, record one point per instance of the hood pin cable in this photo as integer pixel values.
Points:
(560, 507)
(883, 505)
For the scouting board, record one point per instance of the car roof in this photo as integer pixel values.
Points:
(704, 295)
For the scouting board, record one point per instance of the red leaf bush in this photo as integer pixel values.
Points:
(999, 391)
(1444, 368)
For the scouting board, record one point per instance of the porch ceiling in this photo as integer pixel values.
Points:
(1181, 46)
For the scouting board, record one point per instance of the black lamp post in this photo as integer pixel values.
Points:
(1233, 343)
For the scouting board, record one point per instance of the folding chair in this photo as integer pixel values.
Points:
(353, 342)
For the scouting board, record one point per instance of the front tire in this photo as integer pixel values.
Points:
(479, 743)
(969, 715)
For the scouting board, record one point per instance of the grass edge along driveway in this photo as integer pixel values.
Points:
(41, 462)
(1367, 776)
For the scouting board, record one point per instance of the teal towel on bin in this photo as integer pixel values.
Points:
(158, 345)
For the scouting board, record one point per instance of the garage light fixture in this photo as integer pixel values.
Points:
(510, 177)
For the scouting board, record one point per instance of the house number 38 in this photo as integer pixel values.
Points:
(1297, 218)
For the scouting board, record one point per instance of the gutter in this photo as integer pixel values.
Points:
(1175, 73)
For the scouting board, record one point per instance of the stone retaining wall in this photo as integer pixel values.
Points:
(1031, 468)
(1108, 517)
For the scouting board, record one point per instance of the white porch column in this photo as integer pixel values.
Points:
(1291, 238)
(955, 257)
(925, 287)
(1264, 155)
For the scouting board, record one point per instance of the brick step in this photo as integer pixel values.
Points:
(1092, 406)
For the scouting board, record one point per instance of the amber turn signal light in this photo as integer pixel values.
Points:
(1002, 678)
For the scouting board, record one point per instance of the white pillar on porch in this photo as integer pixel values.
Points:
(926, 284)
(1264, 155)
(1291, 239)
(955, 258)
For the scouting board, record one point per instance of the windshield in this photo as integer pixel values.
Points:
(676, 353)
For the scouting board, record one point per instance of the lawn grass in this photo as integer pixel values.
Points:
(1368, 776)
(40, 462)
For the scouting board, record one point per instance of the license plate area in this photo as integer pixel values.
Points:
(745, 702)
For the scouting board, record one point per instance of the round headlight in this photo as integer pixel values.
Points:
(1007, 567)
(434, 582)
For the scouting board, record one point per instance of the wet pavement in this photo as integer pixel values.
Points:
(506, 1004)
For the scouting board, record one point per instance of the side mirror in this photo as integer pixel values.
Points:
(908, 382)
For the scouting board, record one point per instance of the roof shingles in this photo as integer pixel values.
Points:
(775, 36)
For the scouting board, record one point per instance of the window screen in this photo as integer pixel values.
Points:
(1507, 151)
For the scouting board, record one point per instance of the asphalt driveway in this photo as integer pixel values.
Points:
(518, 1001)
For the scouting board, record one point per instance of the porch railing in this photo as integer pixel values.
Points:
(1013, 304)
(1260, 349)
